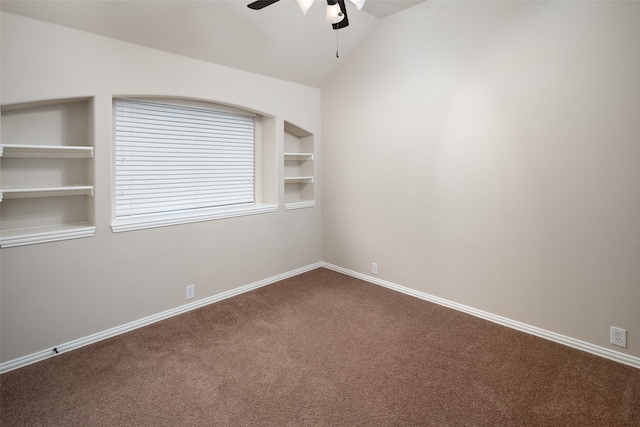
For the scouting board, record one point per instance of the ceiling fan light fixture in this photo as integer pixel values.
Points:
(334, 14)
(304, 5)
(358, 3)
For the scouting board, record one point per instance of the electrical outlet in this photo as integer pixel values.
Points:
(619, 337)
(374, 267)
(191, 291)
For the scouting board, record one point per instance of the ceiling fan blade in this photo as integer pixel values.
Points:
(260, 4)
(345, 21)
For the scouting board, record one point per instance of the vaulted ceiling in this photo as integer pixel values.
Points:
(277, 41)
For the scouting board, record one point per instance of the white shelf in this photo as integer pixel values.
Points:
(299, 168)
(299, 204)
(298, 156)
(29, 192)
(304, 179)
(48, 157)
(30, 236)
(46, 151)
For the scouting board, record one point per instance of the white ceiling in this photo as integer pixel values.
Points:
(277, 41)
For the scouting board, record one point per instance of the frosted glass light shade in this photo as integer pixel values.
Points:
(358, 3)
(304, 5)
(334, 14)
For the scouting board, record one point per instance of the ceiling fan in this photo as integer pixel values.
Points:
(336, 9)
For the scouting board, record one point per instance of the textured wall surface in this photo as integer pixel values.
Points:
(488, 153)
(53, 293)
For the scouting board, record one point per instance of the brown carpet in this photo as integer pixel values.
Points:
(323, 349)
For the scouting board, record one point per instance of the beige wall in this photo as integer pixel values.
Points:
(484, 153)
(488, 153)
(53, 293)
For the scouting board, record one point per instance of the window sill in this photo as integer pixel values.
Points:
(140, 222)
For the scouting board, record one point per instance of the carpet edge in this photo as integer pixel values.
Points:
(513, 324)
(29, 359)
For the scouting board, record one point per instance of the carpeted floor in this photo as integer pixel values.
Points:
(323, 349)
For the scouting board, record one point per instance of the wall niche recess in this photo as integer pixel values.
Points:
(299, 168)
(46, 172)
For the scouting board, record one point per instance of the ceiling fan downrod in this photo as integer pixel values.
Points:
(337, 44)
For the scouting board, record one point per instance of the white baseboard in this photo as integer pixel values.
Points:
(513, 324)
(72, 345)
(552, 336)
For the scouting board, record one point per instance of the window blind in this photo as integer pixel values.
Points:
(175, 157)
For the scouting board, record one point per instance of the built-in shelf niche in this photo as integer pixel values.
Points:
(299, 168)
(46, 172)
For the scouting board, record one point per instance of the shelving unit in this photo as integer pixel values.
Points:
(299, 168)
(46, 166)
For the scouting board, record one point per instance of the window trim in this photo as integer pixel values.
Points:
(164, 219)
(140, 222)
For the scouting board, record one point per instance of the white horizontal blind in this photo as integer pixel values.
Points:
(174, 158)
